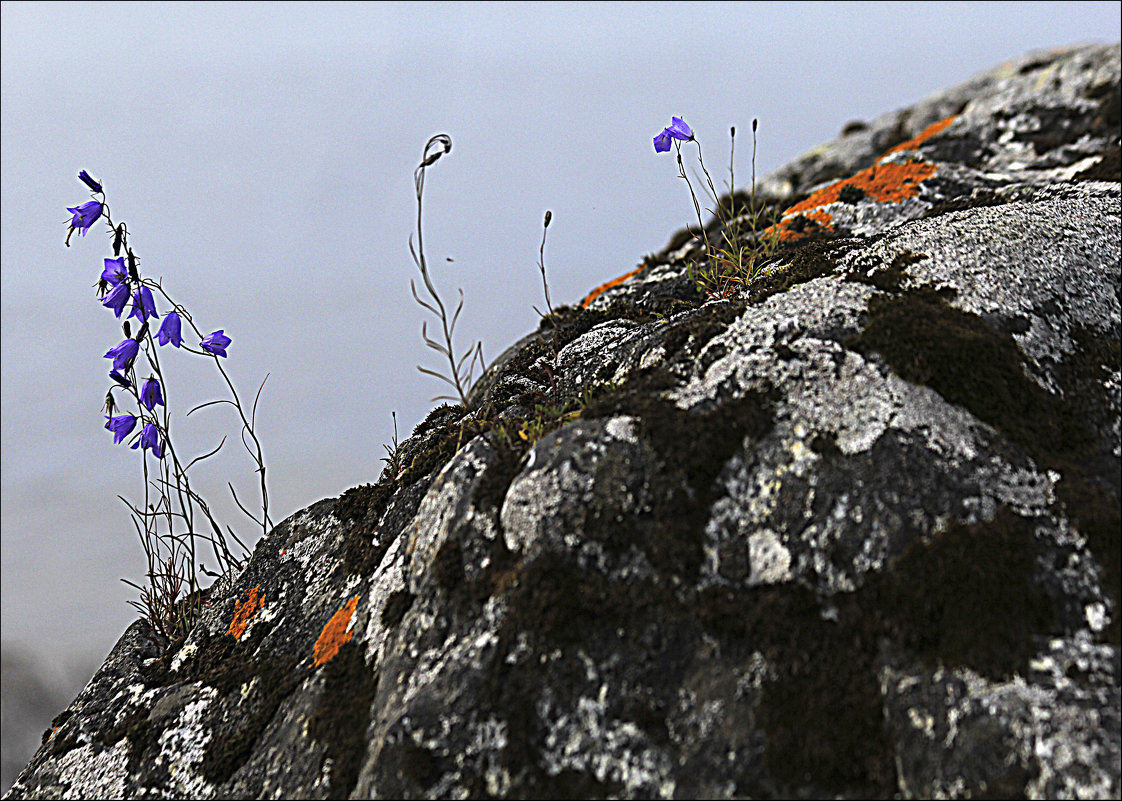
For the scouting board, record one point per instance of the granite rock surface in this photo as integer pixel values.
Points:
(850, 530)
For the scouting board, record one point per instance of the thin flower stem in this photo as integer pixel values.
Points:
(436, 147)
(169, 501)
(696, 206)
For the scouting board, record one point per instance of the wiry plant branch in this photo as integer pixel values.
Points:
(457, 377)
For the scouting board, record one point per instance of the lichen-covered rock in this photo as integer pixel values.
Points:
(852, 530)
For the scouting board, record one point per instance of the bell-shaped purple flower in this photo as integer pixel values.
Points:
(120, 426)
(216, 343)
(123, 354)
(150, 395)
(85, 178)
(120, 379)
(85, 216)
(150, 438)
(170, 331)
(143, 306)
(679, 130)
(114, 272)
(676, 130)
(117, 298)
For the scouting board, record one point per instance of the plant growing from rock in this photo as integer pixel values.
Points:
(174, 522)
(745, 241)
(541, 265)
(459, 368)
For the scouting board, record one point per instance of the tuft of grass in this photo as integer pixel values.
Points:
(393, 452)
(748, 235)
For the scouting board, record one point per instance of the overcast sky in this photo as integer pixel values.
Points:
(263, 155)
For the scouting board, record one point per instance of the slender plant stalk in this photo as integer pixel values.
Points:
(458, 377)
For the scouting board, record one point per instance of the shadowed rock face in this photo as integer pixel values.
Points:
(852, 531)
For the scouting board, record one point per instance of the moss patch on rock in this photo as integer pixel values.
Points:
(343, 715)
(803, 260)
(956, 353)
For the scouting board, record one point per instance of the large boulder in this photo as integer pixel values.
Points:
(850, 530)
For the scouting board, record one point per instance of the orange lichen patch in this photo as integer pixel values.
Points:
(885, 183)
(822, 221)
(591, 296)
(245, 610)
(928, 132)
(335, 634)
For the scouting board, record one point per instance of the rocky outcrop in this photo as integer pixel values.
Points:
(852, 530)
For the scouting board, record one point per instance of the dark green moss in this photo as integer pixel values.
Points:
(493, 484)
(852, 194)
(227, 665)
(957, 354)
(136, 726)
(434, 441)
(892, 277)
(804, 260)
(1035, 64)
(679, 238)
(967, 597)
(1108, 168)
(1109, 117)
(448, 565)
(560, 609)
(692, 448)
(57, 723)
(964, 597)
(437, 419)
(574, 784)
(396, 606)
(343, 715)
(978, 199)
(363, 503)
(1088, 493)
(696, 329)
(231, 748)
(1095, 512)
(926, 341)
(822, 716)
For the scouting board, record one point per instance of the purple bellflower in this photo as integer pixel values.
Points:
(85, 178)
(143, 306)
(120, 426)
(150, 438)
(170, 331)
(114, 272)
(676, 130)
(84, 216)
(123, 355)
(216, 343)
(112, 275)
(150, 395)
(120, 379)
(117, 298)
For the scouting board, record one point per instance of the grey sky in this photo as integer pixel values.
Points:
(263, 157)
